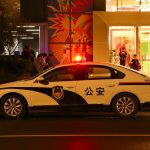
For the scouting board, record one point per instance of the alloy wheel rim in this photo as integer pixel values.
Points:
(125, 106)
(13, 107)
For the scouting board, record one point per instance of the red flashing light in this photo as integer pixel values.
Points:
(78, 58)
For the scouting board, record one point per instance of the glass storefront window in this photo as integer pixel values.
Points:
(121, 36)
(136, 40)
(144, 39)
(145, 5)
(111, 5)
(128, 5)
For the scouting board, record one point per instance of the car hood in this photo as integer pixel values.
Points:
(21, 83)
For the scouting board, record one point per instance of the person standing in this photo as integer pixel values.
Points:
(49, 60)
(38, 64)
(122, 56)
(26, 53)
(135, 63)
(32, 53)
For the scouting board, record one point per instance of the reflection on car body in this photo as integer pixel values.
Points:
(78, 86)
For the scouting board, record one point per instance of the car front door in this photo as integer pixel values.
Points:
(57, 88)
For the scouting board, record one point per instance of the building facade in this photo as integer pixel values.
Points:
(124, 22)
(94, 29)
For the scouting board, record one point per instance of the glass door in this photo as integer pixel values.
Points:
(144, 41)
(122, 37)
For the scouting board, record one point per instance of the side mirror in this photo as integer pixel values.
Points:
(42, 81)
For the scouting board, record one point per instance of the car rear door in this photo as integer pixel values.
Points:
(98, 85)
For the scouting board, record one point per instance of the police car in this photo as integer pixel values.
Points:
(77, 87)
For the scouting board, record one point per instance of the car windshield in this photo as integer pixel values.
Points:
(40, 73)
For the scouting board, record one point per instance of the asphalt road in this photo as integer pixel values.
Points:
(96, 132)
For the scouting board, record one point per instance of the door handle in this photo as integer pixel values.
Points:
(70, 87)
(111, 85)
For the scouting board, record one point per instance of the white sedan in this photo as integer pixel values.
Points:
(78, 87)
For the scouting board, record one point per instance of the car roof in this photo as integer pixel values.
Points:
(85, 63)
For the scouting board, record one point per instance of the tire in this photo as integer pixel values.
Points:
(125, 105)
(13, 106)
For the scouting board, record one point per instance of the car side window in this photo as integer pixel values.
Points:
(60, 74)
(80, 73)
(118, 75)
(98, 72)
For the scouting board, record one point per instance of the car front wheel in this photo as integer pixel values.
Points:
(13, 106)
(125, 105)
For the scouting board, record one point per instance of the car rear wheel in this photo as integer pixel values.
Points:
(125, 105)
(13, 106)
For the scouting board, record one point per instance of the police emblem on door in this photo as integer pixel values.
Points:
(57, 93)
